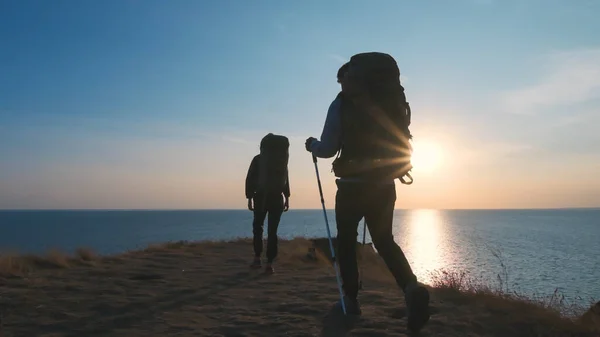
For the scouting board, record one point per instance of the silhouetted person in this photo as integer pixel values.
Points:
(367, 124)
(268, 193)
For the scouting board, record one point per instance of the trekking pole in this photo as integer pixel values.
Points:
(335, 266)
(360, 282)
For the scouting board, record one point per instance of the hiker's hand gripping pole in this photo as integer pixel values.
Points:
(335, 265)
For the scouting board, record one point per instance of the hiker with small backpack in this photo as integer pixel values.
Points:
(268, 193)
(367, 125)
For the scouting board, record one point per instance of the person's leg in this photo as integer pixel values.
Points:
(379, 218)
(275, 210)
(348, 213)
(257, 229)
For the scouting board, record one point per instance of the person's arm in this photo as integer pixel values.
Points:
(251, 178)
(286, 193)
(286, 190)
(330, 141)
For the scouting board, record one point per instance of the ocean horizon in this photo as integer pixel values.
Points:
(294, 209)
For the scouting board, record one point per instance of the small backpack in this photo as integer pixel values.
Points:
(375, 121)
(273, 164)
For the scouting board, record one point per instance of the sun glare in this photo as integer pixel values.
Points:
(426, 156)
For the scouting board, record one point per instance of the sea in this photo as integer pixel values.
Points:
(532, 252)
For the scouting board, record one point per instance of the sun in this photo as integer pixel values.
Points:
(426, 156)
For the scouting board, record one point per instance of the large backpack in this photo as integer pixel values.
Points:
(375, 121)
(273, 164)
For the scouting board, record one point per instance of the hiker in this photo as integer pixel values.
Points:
(367, 125)
(267, 185)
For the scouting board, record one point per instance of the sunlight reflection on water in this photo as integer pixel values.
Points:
(424, 236)
(424, 240)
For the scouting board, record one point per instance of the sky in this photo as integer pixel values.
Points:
(151, 104)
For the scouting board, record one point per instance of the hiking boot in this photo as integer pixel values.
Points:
(417, 306)
(256, 263)
(352, 306)
(269, 269)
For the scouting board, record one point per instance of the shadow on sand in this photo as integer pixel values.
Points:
(335, 323)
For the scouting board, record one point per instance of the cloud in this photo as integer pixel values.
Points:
(236, 140)
(572, 77)
(176, 131)
(491, 152)
(338, 58)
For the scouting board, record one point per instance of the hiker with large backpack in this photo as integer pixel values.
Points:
(367, 125)
(268, 193)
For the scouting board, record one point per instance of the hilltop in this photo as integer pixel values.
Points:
(207, 289)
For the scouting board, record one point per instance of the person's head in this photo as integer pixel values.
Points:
(264, 139)
(341, 74)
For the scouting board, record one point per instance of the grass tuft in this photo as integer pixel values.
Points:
(86, 254)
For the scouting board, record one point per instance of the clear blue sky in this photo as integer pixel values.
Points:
(161, 104)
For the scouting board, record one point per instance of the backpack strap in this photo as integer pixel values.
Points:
(341, 111)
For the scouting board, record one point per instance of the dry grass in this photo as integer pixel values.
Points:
(462, 282)
(546, 315)
(13, 265)
(86, 254)
(206, 289)
(55, 259)
(591, 318)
